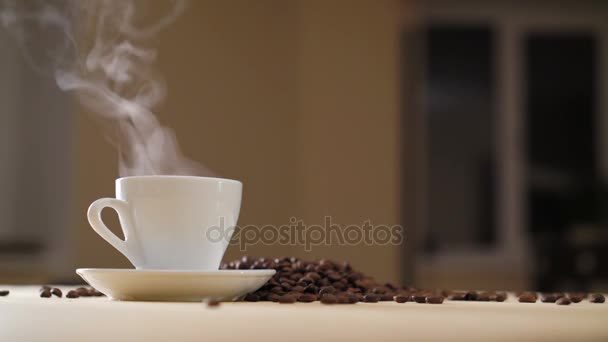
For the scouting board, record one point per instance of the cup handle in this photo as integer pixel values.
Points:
(124, 215)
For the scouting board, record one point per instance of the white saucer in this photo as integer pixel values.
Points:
(174, 286)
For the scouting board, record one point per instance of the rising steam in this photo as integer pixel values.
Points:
(113, 77)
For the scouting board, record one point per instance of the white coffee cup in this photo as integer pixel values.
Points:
(166, 220)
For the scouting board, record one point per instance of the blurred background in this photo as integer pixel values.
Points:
(477, 125)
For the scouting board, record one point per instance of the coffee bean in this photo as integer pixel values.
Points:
(527, 297)
(313, 275)
(277, 289)
(4, 293)
(418, 298)
(334, 276)
(83, 292)
(576, 297)
(329, 299)
(401, 298)
(307, 298)
(342, 299)
(434, 299)
(57, 292)
(457, 296)
(45, 293)
(94, 292)
(311, 289)
(298, 288)
(72, 294)
(287, 299)
(273, 297)
(483, 297)
(370, 298)
(563, 301)
(378, 290)
(250, 297)
(212, 303)
(501, 296)
(386, 297)
(597, 298)
(327, 290)
(471, 295)
(548, 298)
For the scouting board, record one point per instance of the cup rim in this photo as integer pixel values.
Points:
(195, 178)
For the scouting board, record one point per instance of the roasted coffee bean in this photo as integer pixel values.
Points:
(45, 293)
(527, 297)
(418, 298)
(354, 298)
(434, 299)
(298, 288)
(471, 295)
(307, 298)
(286, 286)
(250, 297)
(563, 301)
(327, 290)
(386, 297)
(335, 276)
(285, 280)
(457, 296)
(96, 293)
(72, 294)
(329, 299)
(277, 289)
(576, 297)
(370, 298)
(4, 293)
(83, 292)
(446, 293)
(311, 289)
(559, 295)
(296, 276)
(273, 297)
(548, 298)
(483, 297)
(342, 299)
(57, 292)
(597, 298)
(378, 290)
(501, 296)
(401, 298)
(287, 299)
(212, 303)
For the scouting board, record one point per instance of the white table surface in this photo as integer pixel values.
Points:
(24, 316)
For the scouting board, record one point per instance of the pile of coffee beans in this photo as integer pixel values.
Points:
(330, 282)
(47, 291)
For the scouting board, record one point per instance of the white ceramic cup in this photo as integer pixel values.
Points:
(166, 219)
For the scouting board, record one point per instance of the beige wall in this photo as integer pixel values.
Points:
(298, 99)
